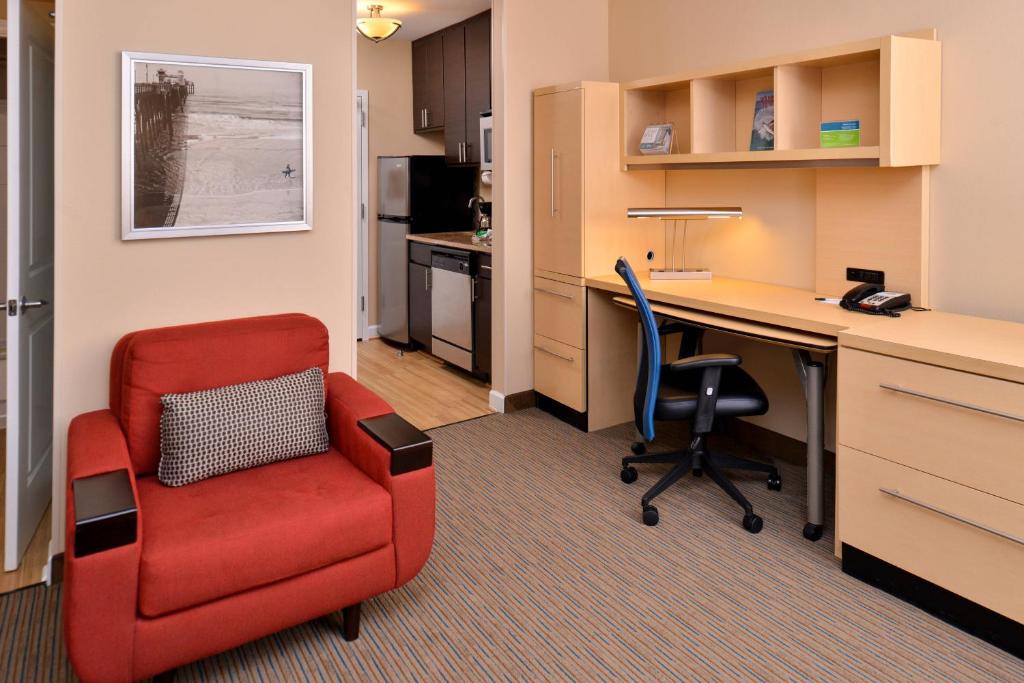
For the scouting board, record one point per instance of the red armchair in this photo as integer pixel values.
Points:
(168, 575)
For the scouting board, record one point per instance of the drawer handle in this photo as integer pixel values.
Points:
(553, 293)
(556, 355)
(952, 515)
(952, 402)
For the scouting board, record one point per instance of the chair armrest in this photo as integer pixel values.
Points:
(706, 360)
(410, 448)
(348, 402)
(105, 512)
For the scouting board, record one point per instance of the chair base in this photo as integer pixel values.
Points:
(698, 459)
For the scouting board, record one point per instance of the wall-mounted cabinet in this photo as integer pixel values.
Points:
(891, 85)
(451, 83)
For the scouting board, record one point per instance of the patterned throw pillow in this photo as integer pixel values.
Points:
(207, 433)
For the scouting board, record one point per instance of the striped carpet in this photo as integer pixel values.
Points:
(542, 570)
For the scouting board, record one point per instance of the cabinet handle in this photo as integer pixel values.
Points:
(426, 279)
(553, 293)
(951, 402)
(552, 189)
(895, 493)
(472, 289)
(485, 267)
(426, 117)
(556, 355)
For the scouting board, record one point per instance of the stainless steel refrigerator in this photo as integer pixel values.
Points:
(415, 194)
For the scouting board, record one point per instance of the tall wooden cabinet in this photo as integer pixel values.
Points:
(580, 197)
(428, 84)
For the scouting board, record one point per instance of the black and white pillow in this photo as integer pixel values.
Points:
(207, 433)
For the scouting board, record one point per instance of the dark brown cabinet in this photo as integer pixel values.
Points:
(419, 295)
(461, 54)
(428, 83)
(482, 319)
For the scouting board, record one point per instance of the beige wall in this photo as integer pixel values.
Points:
(976, 239)
(531, 48)
(106, 287)
(384, 70)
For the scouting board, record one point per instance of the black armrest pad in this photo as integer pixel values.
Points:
(706, 360)
(410, 448)
(105, 512)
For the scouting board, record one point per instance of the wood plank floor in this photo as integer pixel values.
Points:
(421, 388)
(31, 569)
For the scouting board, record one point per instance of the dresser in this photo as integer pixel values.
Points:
(930, 466)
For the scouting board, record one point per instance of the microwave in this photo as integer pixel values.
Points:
(486, 141)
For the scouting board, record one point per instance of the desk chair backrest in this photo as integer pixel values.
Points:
(649, 373)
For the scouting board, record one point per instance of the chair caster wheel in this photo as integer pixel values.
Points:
(813, 532)
(638, 448)
(774, 482)
(650, 515)
(628, 475)
(752, 523)
(697, 472)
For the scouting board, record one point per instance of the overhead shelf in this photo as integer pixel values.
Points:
(890, 84)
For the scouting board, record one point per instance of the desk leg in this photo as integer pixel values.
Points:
(812, 376)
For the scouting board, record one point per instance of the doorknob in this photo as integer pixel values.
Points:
(26, 304)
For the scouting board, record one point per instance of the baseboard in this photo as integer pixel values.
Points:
(773, 445)
(980, 621)
(56, 569)
(562, 412)
(496, 400)
(521, 400)
(372, 332)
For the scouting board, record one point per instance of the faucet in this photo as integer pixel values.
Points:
(474, 203)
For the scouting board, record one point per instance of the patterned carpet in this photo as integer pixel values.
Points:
(543, 571)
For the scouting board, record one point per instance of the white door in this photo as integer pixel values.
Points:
(363, 192)
(29, 274)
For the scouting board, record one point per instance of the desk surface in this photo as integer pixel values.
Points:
(771, 304)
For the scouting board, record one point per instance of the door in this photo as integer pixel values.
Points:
(419, 304)
(362, 191)
(558, 182)
(428, 83)
(454, 94)
(392, 285)
(478, 81)
(29, 275)
(393, 187)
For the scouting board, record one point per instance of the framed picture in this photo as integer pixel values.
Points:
(214, 146)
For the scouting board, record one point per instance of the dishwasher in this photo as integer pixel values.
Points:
(451, 303)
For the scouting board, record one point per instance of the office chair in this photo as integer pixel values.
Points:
(697, 388)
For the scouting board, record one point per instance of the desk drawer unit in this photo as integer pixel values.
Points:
(964, 540)
(956, 425)
(560, 371)
(559, 311)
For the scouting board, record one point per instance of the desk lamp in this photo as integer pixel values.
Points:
(674, 215)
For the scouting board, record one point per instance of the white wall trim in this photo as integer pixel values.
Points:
(496, 399)
(372, 332)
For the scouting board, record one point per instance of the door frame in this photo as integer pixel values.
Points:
(363, 192)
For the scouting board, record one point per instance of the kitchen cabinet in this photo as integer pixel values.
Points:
(419, 295)
(482, 319)
(451, 74)
(428, 84)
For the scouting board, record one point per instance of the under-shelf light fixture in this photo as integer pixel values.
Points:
(375, 27)
(685, 214)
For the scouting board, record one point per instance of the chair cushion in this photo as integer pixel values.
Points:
(229, 534)
(738, 394)
(207, 433)
(173, 360)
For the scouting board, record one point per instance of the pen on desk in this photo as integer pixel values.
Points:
(826, 300)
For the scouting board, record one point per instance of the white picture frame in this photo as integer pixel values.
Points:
(263, 202)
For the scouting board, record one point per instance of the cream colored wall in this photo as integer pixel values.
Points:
(531, 48)
(976, 240)
(384, 70)
(106, 287)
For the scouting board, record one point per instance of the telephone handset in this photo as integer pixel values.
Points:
(875, 300)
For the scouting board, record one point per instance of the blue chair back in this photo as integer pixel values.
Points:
(649, 373)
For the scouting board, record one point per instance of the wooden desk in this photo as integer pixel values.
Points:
(784, 316)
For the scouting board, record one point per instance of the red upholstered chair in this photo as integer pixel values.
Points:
(157, 576)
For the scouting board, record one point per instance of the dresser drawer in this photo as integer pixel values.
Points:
(559, 311)
(953, 424)
(964, 540)
(560, 372)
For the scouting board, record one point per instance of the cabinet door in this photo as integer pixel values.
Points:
(428, 83)
(558, 182)
(482, 329)
(478, 81)
(454, 93)
(419, 304)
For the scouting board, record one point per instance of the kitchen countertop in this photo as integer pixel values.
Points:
(452, 240)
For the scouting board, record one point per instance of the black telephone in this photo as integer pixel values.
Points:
(875, 300)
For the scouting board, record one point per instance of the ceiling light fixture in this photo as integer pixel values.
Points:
(375, 27)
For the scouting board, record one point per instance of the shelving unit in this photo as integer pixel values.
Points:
(890, 84)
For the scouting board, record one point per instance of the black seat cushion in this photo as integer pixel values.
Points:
(738, 394)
